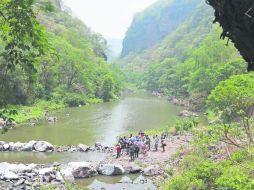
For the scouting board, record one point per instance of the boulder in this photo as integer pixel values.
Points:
(98, 145)
(132, 169)
(82, 169)
(20, 182)
(152, 171)
(21, 168)
(16, 146)
(6, 147)
(52, 119)
(83, 147)
(43, 146)
(67, 174)
(46, 171)
(8, 175)
(2, 122)
(29, 146)
(186, 113)
(110, 169)
(2, 142)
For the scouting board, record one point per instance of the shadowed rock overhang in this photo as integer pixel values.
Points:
(236, 17)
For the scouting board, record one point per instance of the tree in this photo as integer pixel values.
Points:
(233, 100)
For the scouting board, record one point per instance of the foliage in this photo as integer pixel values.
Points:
(79, 72)
(233, 101)
(152, 25)
(183, 125)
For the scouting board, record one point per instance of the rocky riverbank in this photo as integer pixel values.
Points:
(19, 176)
(43, 146)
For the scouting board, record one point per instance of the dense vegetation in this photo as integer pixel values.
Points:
(152, 25)
(189, 62)
(193, 62)
(49, 55)
(52, 58)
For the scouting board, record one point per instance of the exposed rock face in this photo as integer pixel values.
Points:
(110, 169)
(43, 146)
(237, 20)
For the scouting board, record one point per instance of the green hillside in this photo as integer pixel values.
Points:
(73, 72)
(152, 25)
(188, 62)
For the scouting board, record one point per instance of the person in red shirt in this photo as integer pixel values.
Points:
(118, 151)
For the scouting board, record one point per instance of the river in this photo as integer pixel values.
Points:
(94, 123)
(100, 122)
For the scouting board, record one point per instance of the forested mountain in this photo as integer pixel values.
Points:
(152, 25)
(189, 61)
(73, 71)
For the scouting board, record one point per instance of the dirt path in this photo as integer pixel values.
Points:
(151, 157)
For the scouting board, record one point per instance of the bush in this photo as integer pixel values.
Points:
(185, 125)
(74, 100)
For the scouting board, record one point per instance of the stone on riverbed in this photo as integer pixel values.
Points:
(29, 146)
(43, 146)
(152, 171)
(132, 169)
(82, 169)
(186, 113)
(16, 146)
(8, 175)
(6, 147)
(83, 148)
(110, 169)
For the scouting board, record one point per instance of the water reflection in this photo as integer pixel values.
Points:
(101, 122)
(128, 182)
(46, 158)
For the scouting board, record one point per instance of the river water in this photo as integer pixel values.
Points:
(101, 122)
(95, 123)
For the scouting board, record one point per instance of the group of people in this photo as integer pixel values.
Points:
(134, 145)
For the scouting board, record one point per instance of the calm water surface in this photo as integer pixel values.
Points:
(95, 123)
(101, 122)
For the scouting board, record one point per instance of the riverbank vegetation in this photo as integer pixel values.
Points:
(193, 63)
(63, 63)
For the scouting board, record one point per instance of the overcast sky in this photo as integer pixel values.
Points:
(111, 18)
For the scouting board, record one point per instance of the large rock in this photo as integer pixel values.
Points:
(16, 146)
(2, 122)
(83, 148)
(43, 146)
(132, 169)
(52, 119)
(110, 169)
(186, 113)
(46, 171)
(152, 171)
(29, 146)
(21, 168)
(82, 169)
(67, 174)
(6, 147)
(8, 175)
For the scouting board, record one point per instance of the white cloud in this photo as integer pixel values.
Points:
(111, 18)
